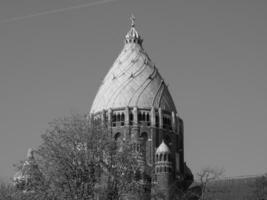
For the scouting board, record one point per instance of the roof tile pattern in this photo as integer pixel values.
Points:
(133, 81)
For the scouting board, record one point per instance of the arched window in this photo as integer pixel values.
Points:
(122, 119)
(164, 122)
(165, 157)
(167, 121)
(143, 117)
(113, 118)
(160, 157)
(131, 118)
(157, 121)
(139, 116)
(167, 140)
(147, 117)
(117, 135)
(118, 117)
(144, 136)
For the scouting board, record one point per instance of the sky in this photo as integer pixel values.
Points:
(55, 53)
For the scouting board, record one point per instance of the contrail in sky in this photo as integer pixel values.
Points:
(13, 19)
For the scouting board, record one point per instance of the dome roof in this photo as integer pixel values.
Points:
(133, 80)
(163, 148)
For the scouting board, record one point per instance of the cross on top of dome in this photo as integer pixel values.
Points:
(132, 20)
(132, 36)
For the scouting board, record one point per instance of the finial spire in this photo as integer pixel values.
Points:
(132, 20)
(132, 36)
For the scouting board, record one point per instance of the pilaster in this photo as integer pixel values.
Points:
(135, 115)
(127, 114)
(174, 122)
(160, 118)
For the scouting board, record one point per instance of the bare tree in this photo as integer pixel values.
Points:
(206, 176)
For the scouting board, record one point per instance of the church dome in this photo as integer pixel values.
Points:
(133, 80)
(163, 148)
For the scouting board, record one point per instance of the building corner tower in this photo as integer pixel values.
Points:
(163, 169)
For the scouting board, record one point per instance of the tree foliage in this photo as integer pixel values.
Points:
(80, 160)
(205, 177)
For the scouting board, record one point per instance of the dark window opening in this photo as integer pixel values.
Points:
(117, 135)
(144, 118)
(131, 118)
(118, 119)
(157, 121)
(167, 123)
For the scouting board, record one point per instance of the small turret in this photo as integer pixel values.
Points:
(163, 169)
(29, 176)
(30, 154)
